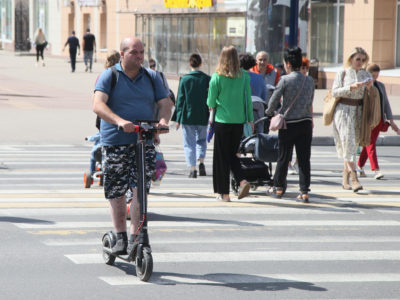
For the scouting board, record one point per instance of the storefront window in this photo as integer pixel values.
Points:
(41, 15)
(5, 20)
(326, 43)
(171, 39)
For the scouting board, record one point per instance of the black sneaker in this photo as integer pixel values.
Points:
(119, 247)
(131, 249)
(202, 170)
(193, 174)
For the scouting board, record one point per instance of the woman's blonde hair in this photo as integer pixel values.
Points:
(112, 59)
(228, 63)
(357, 50)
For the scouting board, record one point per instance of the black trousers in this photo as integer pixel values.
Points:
(226, 143)
(298, 135)
(72, 56)
(39, 51)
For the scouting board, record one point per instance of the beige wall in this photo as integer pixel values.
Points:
(371, 25)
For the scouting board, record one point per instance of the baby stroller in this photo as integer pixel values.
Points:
(257, 168)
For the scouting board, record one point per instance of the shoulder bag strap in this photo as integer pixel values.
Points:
(295, 98)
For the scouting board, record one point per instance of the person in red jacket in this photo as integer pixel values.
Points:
(269, 72)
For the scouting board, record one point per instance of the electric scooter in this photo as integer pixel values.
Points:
(141, 253)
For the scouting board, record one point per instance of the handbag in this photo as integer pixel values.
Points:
(210, 126)
(278, 121)
(247, 128)
(330, 106)
(385, 126)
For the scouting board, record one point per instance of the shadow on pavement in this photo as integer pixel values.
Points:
(241, 282)
(23, 220)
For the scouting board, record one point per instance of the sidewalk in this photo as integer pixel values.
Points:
(54, 94)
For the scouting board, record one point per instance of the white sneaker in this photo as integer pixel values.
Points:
(378, 175)
(361, 172)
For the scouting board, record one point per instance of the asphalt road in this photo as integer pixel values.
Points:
(340, 246)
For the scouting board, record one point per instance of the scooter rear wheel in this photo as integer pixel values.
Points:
(144, 266)
(107, 257)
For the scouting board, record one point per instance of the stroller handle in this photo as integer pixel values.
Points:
(261, 120)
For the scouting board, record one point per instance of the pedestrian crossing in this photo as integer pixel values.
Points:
(199, 241)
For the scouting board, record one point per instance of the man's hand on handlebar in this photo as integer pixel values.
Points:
(126, 126)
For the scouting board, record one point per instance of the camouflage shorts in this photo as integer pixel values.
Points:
(120, 170)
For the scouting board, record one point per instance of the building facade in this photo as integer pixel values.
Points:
(173, 29)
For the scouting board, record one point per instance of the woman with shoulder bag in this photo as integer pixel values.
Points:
(227, 94)
(351, 84)
(297, 93)
(386, 120)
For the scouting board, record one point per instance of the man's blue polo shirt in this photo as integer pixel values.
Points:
(131, 100)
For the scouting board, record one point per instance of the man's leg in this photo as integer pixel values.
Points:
(85, 60)
(115, 164)
(72, 55)
(90, 57)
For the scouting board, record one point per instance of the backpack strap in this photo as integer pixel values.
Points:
(152, 82)
(114, 77)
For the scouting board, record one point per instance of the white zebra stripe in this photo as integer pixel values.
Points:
(251, 256)
(217, 223)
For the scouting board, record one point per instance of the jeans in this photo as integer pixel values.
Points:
(194, 143)
(370, 150)
(88, 59)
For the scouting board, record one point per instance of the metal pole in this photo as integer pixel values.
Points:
(294, 22)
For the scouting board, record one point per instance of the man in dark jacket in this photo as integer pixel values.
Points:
(73, 43)
(88, 46)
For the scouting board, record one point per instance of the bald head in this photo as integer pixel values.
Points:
(129, 42)
(132, 54)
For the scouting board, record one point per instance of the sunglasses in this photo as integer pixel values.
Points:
(152, 66)
(361, 59)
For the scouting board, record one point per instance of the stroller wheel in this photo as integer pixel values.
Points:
(87, 180)
(253, 187)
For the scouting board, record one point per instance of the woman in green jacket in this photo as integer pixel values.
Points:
(192, 112)
(228, 92)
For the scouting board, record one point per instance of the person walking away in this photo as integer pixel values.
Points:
(229, 88)
(258, 90)
(305, 66)
(297, 87)
(386, 120)
(41, 43)
(192, 113)
(73, 43)
(89, 46)
(136, 91)
(352, 84)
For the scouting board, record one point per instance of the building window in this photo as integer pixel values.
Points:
(170, 39)
(5, 20)
(326, 38)
(41, 15)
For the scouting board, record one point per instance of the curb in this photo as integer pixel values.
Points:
(382, 141)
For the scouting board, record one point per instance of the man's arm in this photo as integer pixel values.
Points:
(83, 45)
(164, 109)
(101, 108)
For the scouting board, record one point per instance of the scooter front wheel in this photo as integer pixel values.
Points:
(144, 265)
(107, 245)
